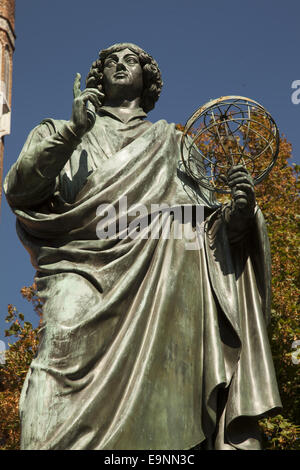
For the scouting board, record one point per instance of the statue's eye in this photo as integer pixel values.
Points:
(109, 62)
(132, 60)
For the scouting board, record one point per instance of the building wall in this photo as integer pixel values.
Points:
(7, 46)
(7, 9)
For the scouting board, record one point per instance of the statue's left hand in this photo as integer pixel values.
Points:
(242, 190)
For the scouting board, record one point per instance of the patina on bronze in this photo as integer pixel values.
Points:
(144, 344)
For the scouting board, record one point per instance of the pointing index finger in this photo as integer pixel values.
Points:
(76, 86)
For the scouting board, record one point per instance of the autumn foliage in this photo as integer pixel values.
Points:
(278, 198)
(12, 374)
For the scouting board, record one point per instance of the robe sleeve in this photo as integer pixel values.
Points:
(237, 230)
(32, 179)
(226, 249)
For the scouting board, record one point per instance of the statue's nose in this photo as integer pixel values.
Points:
(120, 66)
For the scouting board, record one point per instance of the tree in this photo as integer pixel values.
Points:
(278, 196)
(12, 374)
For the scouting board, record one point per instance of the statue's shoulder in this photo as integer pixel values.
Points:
(177, 129)
(165, 125)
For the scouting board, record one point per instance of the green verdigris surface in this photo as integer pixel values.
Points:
(144, 344)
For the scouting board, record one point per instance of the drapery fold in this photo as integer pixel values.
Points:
(140, 335)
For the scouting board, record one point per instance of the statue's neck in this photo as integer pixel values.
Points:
(123, 114)
(123, 107)
(121, 102)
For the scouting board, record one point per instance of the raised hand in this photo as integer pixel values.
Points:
(83, 115)
(242, 190)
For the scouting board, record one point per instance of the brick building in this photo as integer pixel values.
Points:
(7, 46)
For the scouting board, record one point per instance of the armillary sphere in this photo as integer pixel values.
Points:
(228, 131)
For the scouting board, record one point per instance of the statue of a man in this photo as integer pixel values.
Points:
(145, 344)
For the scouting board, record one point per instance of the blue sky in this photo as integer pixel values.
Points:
(204, 49)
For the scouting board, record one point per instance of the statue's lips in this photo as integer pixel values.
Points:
(120, 75)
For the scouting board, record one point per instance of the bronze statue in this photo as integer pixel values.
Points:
(144, 344)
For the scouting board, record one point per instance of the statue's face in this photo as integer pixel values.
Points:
(122, 74)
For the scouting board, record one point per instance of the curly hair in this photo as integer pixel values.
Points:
(151, 73)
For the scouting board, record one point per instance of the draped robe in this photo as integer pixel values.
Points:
(139, 335)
